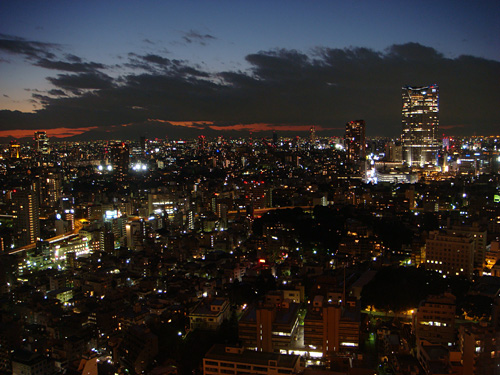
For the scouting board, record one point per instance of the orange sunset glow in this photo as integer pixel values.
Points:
(55, 133)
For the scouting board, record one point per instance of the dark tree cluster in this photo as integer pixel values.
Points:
(403, 288)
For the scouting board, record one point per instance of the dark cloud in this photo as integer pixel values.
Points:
(326, 87)
(72, 58)
(82, 81)
(30, 49)
(57, 92)
(156, 59)
(161, 65)
(193, 36)
(150, 63)
(43, 55)
(75, 67)
(413, 52)
(41, 99)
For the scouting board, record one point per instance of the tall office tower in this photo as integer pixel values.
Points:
(27, 219)
(120, 159)
(312, 134)
(201, 143)
(49, 188)
(42, 142)
(355, 140)
(420, 119)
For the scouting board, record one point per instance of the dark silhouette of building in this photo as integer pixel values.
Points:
(312, 134)
(120, 160)
(201, 143)
(143, 145)
(355, 140)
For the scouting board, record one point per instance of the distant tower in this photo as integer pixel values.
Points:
(420, 119)
(355, 140)
(27, 219)
(143, 145)
(120, 160)
(42, 142)
(15, 149)
(275, 138)
(312, 134)
(201, 143)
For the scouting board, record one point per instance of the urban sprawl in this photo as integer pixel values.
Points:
(277, 255)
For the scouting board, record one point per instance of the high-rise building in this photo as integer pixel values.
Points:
(49, 187)
(201, 143)
(42, 142)
(120, 159)
(27, 220)
(312, 134)
(355, 143)
(143, 145)
(420, 120)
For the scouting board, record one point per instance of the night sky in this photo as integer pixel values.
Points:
(92, 70)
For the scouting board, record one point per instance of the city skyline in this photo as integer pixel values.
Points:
(86, 71)
(329, 253)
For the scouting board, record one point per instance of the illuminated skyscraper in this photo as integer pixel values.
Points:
(355, 143)
(27, 219)
(42, 142)
(420, 119)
